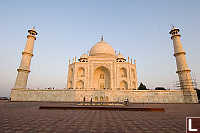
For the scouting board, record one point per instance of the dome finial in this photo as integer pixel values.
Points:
(172, 27)
(102, 38)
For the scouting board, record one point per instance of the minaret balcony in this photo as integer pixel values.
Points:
(179, 53)
(24, 52)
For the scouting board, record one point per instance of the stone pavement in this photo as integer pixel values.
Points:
(25, 117)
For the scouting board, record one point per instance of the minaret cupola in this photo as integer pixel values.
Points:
(83, 58)
(120, 58)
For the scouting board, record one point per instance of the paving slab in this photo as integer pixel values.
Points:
(26, 117)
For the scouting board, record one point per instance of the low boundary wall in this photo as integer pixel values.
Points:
(134, 96)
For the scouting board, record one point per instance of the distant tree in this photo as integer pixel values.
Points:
(198, 94)
(142, 87)
(160, 88)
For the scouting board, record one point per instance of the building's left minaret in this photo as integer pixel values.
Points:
(24, 68)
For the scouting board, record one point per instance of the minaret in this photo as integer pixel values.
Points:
(182, 67)
(24, 68)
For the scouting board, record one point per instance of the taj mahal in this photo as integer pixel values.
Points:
(104, 76)
(102, 69)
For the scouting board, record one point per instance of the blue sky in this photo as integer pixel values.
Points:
(138, 28)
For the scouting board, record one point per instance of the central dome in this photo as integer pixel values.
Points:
(102, 49)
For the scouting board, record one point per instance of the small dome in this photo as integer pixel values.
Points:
(84, 56)
(102, 49)
(120, 56)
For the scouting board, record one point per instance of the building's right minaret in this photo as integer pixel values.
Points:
(182, 67)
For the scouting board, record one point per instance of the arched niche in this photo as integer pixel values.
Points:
(96, 99)
(101, 99)
(80, 84)
(123, 72)
(106, 99)
(101, 78)
(70, 73)
(70, 84)
(81, 72)
(123, 85)
(133, 73)
(134, 84)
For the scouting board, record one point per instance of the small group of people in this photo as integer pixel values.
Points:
(85, 99)
(50, 88)
(126, 101)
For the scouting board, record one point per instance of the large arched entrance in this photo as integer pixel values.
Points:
(101, 78)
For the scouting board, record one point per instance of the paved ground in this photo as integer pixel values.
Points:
(25, 117)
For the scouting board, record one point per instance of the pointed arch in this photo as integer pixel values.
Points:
(81, 72)
(70, 73)
(80, 84)
(101, 78)
(123, 85)
(106, 99)
(101, 99)
(96, 99)
(134, 84)
(70, 84)
(133, 73)
(123, 72)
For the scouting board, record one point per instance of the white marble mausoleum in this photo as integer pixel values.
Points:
(102, 69)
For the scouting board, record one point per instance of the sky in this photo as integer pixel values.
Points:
(136, 28)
